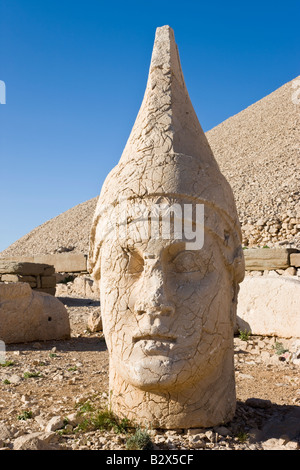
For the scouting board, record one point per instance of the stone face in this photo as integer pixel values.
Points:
(27, 315)
(168, 304)
(269, 305)
(267, 258)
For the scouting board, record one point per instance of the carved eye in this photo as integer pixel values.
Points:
(185, 262)
(197, 264)
(134, 262)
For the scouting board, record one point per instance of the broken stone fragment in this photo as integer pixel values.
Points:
(27, 315)
(269, 306)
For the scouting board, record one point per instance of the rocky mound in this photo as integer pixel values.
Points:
(68, 231)
(258, 152)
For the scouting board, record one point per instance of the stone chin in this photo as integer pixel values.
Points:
(165, 373)
(154, 374)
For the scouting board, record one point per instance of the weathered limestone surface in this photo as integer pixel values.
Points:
(27, 315)
(269, 306)
(267, 258)
(168, 309)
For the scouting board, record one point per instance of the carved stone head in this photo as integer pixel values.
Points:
(165, 246)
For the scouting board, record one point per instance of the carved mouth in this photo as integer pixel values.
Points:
(155, 338)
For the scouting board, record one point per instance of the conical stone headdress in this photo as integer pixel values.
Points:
(167, 154)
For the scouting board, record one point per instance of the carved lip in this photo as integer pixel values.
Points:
(155, 337)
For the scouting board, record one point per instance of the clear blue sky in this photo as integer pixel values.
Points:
(75, 74)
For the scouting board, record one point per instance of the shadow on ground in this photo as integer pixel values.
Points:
(94, 343)
(266, 420)
(79, 302)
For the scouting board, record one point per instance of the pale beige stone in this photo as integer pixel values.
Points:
(32, 280)
(10, 278)
(269, 306)
(37, 441)
(64, 262)
(27, 315)
(94, 322)
(260, 259)
(86, 287)
(168, 308)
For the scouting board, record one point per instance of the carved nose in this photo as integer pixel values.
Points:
(152, 295)
(154, 302)
(151, 309)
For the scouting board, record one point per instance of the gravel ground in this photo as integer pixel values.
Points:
(51, 390)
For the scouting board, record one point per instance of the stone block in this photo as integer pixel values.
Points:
(64, 262)
(260, 259)
(269, 306)
(49, 271)
(24, 268)
(27, 278)
(10, 278)
(31, 280)
(295, 260)
(48, 281)
(19, 259)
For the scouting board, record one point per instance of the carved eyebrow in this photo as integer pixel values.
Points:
(198, 255)
(176, 247)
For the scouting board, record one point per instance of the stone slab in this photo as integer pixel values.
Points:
(19, 278)
(269, 305)
(260, 259)
(295, 260)
(64, 262)
(10, 278)
(24, 268)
